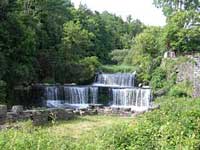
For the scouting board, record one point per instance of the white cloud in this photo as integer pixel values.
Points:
(139, 9)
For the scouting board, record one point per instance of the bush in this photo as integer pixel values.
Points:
(158, 78)
(89, 67)
(174, 126)
(81, 72)
(118, 55)
(181, 90)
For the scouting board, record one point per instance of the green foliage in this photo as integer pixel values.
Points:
(164, 77)
(82, 72)
(117, 68)
(158, 78)
(89, 68)
(146, 53)
(171, 6)
(50, 41)
(52, 136)
(182, 32)
(174, 126)
(3, 93)
(118, 55)
(77, 41)
(181, 90)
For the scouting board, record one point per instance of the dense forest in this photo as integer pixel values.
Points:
(49, 41)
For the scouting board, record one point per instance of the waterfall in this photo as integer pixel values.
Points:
(76, 95)
(118, 79)
(110, 89)
(131, 97)
(94, 95)
(51, 92)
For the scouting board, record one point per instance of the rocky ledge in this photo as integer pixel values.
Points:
(42, 116)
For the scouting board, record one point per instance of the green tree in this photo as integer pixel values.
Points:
(77, 41)
(171, 6)
(182, 32)
(146, 51)
(118, 55)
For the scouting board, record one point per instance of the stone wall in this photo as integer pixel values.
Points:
(185, 72)
(43, 116)
(196, 75)
(190, 71)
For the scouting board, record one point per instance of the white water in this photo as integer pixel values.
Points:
(54, 103)
(51, 92)
(62, 104)
(123, 93)
(132, 97)
(76, 95)
(94, 95)
(115, 80)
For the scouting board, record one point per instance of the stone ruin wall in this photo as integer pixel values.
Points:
(190, 71)
(46, 115)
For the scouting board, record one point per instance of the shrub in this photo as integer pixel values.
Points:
(181, 90)
(118, 55)
(89, 68)
(174, 126)
(81, 72)
(158, 78)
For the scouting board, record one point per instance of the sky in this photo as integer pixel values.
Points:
(143, 10)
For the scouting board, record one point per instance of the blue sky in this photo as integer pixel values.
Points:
(143, 10)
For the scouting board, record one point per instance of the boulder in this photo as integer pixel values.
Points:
(61, 114)
(17, 109)
(39, 117)
(160, 92)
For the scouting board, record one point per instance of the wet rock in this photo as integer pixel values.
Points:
(12, 117)
(39, 117)
(125, 109)
(115, 110)
(17, 109)
(154, 107)
(83, 113)
(95, 106)
(160, 92)
(92, 111)
(61, 114)
(76, 112)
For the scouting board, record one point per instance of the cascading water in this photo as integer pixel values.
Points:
(131, 97)
(51, 92)
(119, 87)
(94, 95)
(52, 96)
(73, 95)
(76, 95)
(116, 80)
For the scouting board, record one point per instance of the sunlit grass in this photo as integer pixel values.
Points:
(82, 125)
(66, 134)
